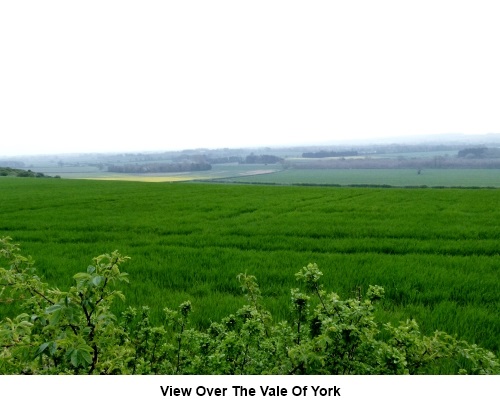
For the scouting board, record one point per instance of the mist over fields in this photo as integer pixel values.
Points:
(417, 142)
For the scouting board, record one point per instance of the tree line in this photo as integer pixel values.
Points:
(262, 159)
(7, 171)
(326, 154)
(160, 167)
(436, 162)
(479, 153)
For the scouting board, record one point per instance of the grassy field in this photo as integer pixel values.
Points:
(391, 177)
(436, 252)
(92, 172)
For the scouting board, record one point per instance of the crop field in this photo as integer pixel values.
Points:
(92, 172)
(435, 251)
(390, 177)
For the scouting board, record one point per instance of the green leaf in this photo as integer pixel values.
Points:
(80, 356)
(55, 317)
(82, 276)
(52, 347)
(41, 349)
(53, 308)
(97, 280)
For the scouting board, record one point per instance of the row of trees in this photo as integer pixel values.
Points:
(479, 153)
(326, 154)
(208, 159)
(262, 159)
(75, 331)
(160, 167)
(196, 163)
(7, 171)
(440, 162)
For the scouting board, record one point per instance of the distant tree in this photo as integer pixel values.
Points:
(262, 159)
(160, 167)
(472, 153)
(325, 154)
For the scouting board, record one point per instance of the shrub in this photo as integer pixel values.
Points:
(75, 331)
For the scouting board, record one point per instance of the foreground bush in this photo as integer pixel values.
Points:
(75, 332)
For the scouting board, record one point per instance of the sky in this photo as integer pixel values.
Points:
(101, 76)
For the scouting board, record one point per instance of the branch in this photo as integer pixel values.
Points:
(32, 290)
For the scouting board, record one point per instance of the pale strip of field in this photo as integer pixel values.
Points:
(256, 172)
(174, 177)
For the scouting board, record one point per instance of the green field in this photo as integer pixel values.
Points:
(435, 251)
(380, 177)
(277, 174)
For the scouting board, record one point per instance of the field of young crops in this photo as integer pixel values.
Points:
(435, 251)
(380, 177)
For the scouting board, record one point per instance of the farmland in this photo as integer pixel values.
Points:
(378, 177)
(436, 252)
(394, 165)
(91, 172)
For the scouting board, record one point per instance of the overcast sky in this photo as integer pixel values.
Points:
(83, 76)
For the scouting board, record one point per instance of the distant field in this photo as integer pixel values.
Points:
(221, 171)
(436, 252)
(410, 155)
(275, 174)
(392, 177)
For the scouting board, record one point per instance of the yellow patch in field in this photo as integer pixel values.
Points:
(149, 179)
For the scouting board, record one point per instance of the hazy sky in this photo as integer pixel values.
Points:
(145, 75)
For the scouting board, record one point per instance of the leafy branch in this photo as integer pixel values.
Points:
(75, 332)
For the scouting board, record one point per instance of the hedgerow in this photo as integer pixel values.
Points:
(76, 331)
